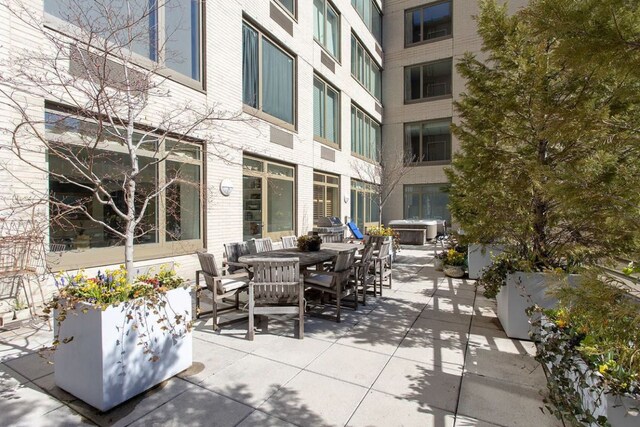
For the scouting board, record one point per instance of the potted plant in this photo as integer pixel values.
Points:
(588, 346)
(547, 174)
(309, 243)
(114, 339)
(438, 260)
(453, 263)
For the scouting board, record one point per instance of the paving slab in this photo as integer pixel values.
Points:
(209, 359)
(462, 421)
(516, 366)
(438, 329)
(24, 404)
(62, 416)
(422, 383)
(261, 419)
(196, 407)
(421, 348)
(380, 339)
(293, 351)
(32, 366)
(381, 409)
(312, 399)
(503, 403)
(251, 380)
(350, 364)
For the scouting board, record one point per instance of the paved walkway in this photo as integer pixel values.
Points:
(429, 353)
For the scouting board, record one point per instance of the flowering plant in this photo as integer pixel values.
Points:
(453, 258)
(387, 232)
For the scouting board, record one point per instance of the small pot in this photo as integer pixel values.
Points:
(313, 246)
(455, 271)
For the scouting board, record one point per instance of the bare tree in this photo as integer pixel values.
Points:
(111, 121)
(385, 175)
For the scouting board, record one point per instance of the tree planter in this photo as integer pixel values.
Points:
(105, 365)
(522, 290)
(453, 271)
(572, 380)
(480, 258)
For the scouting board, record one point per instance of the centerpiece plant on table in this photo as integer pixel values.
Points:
(115, 338)
(309, 243)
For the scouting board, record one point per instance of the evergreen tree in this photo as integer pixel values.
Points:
(549, 160)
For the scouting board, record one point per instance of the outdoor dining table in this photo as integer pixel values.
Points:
(307, 258)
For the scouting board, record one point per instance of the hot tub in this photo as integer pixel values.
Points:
(411, 229)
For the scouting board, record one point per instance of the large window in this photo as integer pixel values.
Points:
(87, 188)
(326, 112)
(326, 195)
(428, 80)
(364, 68)
(427, 23)
(326, 27)
(426, 201)
(268, 192)
(428, 141)
(365, 211)
(168, 32)
(365, 135)
(371, 15)
(267, 76)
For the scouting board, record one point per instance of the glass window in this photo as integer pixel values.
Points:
(84, 222)
(326, 26)
(426, 201)
(428, 23)
(134, 25)
(326, 196)
(428, 141)
(365, 135)
(371, 15)
(364, 68)
(428, 80)
(290, 5)
(365, 211)
(267, 85)
(326, 111)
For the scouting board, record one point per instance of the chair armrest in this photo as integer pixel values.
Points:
(243, 275)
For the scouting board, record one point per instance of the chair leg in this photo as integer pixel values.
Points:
(250, 332)
(198, 290)
(237, 300)
(264, 324)
(214, 310)
(338, 297)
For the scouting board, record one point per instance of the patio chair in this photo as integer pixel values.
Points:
(382, 265)
(233, 251)
(260, 245)
(361, 273)
(289, 242)
(355, 231)
(337, 281)
(220, 286)
(276, 290)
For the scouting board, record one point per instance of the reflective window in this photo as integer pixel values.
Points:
(429, 22)
(365, 135)
(426, 201)
(428, 80)
(326, 111)
(326, 26)
(428, 141)
(364, 68)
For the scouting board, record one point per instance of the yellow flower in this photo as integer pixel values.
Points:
(603, 368)
(561, 323)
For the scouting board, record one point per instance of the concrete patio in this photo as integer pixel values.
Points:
(429, 353)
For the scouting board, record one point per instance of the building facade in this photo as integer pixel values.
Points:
(316, 92)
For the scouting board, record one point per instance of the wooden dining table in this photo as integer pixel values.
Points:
(307, 258)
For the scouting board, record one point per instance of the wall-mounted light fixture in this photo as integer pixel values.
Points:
(226, 187)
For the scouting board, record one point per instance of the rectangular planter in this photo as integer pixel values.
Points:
(521, 291)
(480, 258)
(104, 365)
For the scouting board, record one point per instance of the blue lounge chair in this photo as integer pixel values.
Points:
(355, 231)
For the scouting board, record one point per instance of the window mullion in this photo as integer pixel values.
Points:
(162, 197)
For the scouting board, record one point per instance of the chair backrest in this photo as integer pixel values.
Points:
(376, 241)
(385, 249)
(210, 269)
(289, 242)
(344, 261)
(276, 281)
(354, 230)
(233, 251)
(260, 245)
(367, 254)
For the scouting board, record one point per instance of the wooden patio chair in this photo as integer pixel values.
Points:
(382, 266)
(362, 276)
(257, 246)
(336, 281)
(289, 242)
(276, 290)
(220, 286)
(232, 252)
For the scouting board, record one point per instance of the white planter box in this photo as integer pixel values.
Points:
(522, 291)
(104, 365)
(480, 258)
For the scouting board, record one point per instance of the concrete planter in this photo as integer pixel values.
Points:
(104, 365)
(454, 271)
(521, 291)
(437, 264)
(480, 258)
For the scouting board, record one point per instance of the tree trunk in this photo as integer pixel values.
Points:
(540, 212)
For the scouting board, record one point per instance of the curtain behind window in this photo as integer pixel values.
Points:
(332, 115)
(318, 108)
(277, 82)
(249, 66)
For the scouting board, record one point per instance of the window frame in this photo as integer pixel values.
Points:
(421, 194)
(407, 143)
(338, 55)
(368, 190)
(60, 25)
(337, 119)
(360, 68)
(258, 110)
(163, 247)
(422, 41)
(368, 21)
(364, 129)
(292, 13)
(325, 184)
(422, 67)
